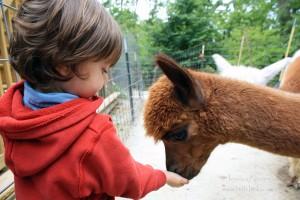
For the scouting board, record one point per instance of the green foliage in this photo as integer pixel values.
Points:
(141, 30)
(260, 47)
(219, 25)
(265, 25)
(189, 24)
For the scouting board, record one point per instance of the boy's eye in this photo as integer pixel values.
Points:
(104, 70)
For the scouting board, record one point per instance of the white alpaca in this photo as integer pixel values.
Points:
(249, 74)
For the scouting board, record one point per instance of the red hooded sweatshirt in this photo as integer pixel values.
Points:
(67, 151)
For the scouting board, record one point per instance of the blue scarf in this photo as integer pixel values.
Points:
(36, 100)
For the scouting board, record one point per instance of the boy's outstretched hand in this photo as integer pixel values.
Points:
(175, 180)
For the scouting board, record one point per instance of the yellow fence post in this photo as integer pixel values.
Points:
(288, 47)
(241, 49)
(4, 54)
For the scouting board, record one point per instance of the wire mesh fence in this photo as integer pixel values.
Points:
(126, 86)
(200, 57)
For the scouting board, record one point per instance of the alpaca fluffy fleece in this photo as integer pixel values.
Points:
(247, 73)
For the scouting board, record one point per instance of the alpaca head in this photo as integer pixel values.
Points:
(175, 113)
(249, 74)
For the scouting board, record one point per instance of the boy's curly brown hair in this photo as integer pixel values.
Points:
(48, 34)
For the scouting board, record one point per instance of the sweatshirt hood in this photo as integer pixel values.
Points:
(36, 138)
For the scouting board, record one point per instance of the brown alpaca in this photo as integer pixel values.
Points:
(291, 82)
(193, 112)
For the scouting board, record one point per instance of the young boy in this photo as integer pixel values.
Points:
(55, 143)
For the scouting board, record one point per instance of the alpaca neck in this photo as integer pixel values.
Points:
(257, 116)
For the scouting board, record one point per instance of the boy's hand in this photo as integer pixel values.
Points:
(175, 180)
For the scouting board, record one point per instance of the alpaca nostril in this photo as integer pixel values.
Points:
(191, 173)
(176, 171)
(172, 168)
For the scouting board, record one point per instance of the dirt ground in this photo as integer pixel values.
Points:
(233, 172)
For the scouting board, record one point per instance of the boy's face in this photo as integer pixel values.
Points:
(95, 75)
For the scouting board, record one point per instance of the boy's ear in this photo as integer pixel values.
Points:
(187, 89)
(63, 70)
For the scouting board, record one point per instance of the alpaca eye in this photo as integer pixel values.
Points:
(179, 135)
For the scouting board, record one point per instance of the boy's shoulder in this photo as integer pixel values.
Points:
(101, 123)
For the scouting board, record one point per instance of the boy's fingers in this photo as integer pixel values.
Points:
(185, 181)
(182, 179)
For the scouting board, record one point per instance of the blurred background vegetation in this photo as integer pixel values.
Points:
(216, 26)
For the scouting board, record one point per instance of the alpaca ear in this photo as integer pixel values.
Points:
(221, 63)
(186, 88)
(272, 70)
